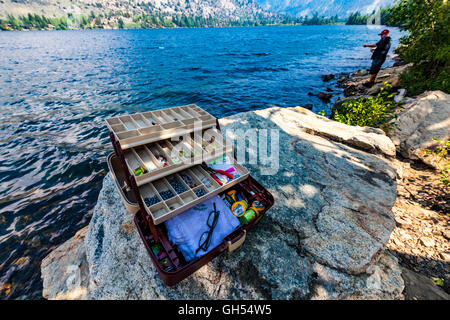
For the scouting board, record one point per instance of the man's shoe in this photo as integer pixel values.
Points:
(368, 84)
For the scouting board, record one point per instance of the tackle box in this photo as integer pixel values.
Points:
(178, 185)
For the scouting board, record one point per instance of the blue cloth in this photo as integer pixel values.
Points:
(185, 229)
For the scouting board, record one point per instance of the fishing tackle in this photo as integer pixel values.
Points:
(239, 208)
(140, 171)
(247, 217)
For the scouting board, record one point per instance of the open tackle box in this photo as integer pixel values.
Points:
(160, 168)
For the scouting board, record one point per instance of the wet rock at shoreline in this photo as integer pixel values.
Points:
(419, 287)
(353, 84)
(324, 96)
(65, 271)
(328, 77)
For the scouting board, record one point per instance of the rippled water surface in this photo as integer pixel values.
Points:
(57, 87)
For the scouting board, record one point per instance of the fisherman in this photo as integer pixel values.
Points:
(379, 55)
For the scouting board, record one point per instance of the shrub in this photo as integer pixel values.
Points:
(427, 44)
(442, 151)
(372, 111)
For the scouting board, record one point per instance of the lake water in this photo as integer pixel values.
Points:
(57, 87)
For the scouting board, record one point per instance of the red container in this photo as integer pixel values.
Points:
(231, 242)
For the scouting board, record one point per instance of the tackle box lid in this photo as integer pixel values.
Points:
(154, 156)
(142, 128)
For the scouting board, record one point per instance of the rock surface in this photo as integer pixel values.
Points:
(419, 287)
(366, 138)
(323, 239)
(65, 271)
(419, 240)
(415, 127)
(353, 84)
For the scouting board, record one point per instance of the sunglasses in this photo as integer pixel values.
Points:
(205, 238)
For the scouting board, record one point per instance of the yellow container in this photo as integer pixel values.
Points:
(239, 208)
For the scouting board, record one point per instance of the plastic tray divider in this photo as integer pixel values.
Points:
(139, 115)
(186, 115)
(151, 118)
(152, 156)
(163, 153)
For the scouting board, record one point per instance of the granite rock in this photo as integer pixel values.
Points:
(65, 271)
(415, 127)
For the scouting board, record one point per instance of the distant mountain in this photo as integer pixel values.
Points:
(327, 8)
(220, 9)
(169, 13)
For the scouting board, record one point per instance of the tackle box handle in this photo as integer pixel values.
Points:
(237, 243)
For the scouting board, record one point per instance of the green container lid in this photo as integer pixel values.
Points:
(248, 217)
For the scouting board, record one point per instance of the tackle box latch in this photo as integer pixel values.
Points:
(233, 246)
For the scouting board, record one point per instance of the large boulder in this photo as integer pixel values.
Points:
(324, 237)
(369, 139)
(415, 127)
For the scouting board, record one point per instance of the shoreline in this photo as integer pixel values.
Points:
(204, 27)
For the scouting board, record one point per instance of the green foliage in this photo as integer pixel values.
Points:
(120, 23)
(372, 111)
(442, 151)
(427, 44)
(33, 21)
(316, 20)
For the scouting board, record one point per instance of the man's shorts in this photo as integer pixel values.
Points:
(376, 65)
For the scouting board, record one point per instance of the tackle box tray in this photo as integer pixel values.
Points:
(166, 157)
(142, 128)
(175, 193)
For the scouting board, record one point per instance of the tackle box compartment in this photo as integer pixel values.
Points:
(171, 195)
(180, 269)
